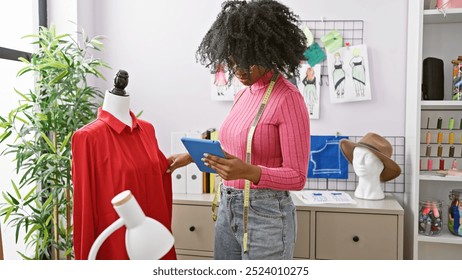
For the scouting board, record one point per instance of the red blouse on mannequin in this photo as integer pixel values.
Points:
(109, 157)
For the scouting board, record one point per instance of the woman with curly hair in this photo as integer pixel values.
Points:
(266, 136)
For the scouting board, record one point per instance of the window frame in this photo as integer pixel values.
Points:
(12, 54)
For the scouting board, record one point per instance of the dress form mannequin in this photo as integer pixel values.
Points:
(117, 101)
(367, 167)
(108, 158)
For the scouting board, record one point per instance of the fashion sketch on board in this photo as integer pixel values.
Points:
(358, 72)
(220, 80)
(348, 69)
(338, 75)
(222, 88)
(309, 86)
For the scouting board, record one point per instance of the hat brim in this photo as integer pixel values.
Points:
(391, 169)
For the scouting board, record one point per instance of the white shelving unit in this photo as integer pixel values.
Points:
(442, 16)
(438, 104)
(430, 33)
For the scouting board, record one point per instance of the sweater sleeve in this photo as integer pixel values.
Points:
(294, 133)
(83, 219)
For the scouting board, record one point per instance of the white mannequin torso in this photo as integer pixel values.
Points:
(367, 167)
(118, 106)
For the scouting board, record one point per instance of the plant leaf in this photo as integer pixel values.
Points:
(59, 77)
(22, 95)
(8, 213)
(50, 144)
(5, 135)
(65, 141)
(16, 190)
(31, 231)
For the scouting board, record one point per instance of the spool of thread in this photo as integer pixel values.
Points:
(451, 123)
(439, 123)
(428, 151)
(436, 212)
(454, 164)
(460, 124)
(430, 165)
(451, 138)
(441, 164)
(440, 151)
(440, 137)
(451, 151)
(428, 137)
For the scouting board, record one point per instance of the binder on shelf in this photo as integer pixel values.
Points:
(205, 179)
(194, 179)
(208, 176)
(214, 178)
(179, 175)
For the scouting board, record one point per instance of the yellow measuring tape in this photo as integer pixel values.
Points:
(248, 158)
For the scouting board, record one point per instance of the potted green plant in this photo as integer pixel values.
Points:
(40, 200)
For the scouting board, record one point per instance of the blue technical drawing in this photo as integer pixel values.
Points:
(326, 158)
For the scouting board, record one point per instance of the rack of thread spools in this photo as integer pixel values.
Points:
(441, 141)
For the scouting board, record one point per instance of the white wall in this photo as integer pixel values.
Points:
(63, 13)
(155, 41)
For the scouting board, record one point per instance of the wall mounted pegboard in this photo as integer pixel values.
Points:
(394, 186)
(352, 32)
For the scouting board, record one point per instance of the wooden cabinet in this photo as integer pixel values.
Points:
(302, 245)
(356, 236)
(365, 230)
(431, 33)
(192, 226)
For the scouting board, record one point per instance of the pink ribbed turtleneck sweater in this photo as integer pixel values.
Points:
(281, 142)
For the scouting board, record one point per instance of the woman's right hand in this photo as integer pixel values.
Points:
(178, 160)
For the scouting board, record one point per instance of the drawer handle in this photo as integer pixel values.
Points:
(355, 238)
(192, 228)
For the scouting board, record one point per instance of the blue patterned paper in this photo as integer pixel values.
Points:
(326, 158)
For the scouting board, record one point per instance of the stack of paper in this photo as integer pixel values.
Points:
(324, 197)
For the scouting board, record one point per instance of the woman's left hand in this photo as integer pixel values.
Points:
(232, 168)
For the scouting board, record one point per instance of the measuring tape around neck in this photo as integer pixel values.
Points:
(248, 159)
(248, 156)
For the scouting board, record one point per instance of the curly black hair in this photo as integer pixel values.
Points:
(259, 32)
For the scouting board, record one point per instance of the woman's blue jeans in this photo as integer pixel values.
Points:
(272, 225)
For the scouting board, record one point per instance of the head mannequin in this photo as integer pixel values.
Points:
(367, 167)
(372, 161)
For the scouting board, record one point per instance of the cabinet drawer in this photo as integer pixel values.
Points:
(192, 257)
(193, 227)
(302, 245)
(356, 236)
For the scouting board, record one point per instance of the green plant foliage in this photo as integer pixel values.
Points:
(40, 129)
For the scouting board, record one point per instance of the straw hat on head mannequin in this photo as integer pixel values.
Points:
(372, 163)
